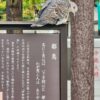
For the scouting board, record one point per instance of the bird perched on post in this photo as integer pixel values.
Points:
(55, 12)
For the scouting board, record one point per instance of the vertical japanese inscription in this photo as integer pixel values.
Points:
(43, 80)
(12, 71)
(23, 70)
(29, 67)
(2, 76)
(7, 68)
(28, 71)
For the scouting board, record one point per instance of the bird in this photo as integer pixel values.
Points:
(55, 12)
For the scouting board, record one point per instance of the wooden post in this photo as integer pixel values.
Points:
(82, 51)
(14, 13)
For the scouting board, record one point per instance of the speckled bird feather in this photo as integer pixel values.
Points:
(54, 13)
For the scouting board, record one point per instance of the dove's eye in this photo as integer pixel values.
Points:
(74, 7)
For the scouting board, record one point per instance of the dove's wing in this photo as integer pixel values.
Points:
(43, 9)
(48, 16)
(45, 6)
(54, 12)
(46, 3)
(62, 12)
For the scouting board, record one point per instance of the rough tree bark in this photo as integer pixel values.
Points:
(82, 52)
(14, 13)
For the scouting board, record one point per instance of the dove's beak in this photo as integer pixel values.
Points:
(74, 13)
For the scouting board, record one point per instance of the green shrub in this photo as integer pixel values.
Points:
(28, 9)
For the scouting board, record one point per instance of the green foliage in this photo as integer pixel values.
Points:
(97, 0)
(2, 10)
(29, 7)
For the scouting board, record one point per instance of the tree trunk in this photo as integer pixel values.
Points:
(14, 13)
(82, 51)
